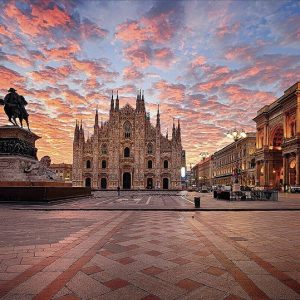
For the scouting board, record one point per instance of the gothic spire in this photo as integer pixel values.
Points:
(76, 132)
(137, 104)
(81, 132)
(173, 131)
(96, 119)
(158, 117)
(117, 101)
(112, 105)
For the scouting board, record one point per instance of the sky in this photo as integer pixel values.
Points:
(211, 64)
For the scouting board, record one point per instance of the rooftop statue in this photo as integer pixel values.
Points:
(14, 107)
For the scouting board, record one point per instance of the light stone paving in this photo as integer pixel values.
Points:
(149, 254)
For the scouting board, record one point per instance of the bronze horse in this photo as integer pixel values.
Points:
(13, 111)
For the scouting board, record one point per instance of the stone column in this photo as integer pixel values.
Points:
(266, 173)
(257, 179)
(298, 115)
(297, 168)
(285, 171)
(284, 126)
(265, 136)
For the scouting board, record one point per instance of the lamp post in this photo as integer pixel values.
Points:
(203, 155)
(236, 135)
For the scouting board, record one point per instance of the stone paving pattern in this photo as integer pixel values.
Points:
(180, 200)
(149, 254)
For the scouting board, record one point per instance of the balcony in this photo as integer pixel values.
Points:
(127, 160)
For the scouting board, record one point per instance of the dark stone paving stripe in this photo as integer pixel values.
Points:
(148, 208)
(281, 276)
(244, 281)
(57, 284)
(11, 284)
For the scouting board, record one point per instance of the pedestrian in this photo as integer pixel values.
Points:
(118, 190)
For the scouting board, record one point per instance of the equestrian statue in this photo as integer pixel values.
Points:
(14, 107)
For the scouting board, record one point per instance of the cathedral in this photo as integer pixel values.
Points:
(128, 151)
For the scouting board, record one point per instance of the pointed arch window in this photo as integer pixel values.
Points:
(150, 149)
(126, 152)
(127, 130)
(149, 164)
(166, 164)
(104, 149)
(88, 164)
(103, 164)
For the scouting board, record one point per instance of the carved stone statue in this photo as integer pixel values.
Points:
(40, 168)
(14, 107)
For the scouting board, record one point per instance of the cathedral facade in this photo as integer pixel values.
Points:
(128, 151)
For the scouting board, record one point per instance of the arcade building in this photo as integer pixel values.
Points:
(278, 141)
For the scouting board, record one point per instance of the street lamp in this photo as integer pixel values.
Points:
(236, 135)
(203, 155)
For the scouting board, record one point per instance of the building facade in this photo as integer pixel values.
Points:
(236, 159)
(128, 151)
(202, 172)
(278, 141)
(63, 171)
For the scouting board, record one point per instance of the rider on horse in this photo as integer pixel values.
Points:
(15, 106)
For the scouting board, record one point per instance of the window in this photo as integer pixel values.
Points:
(103, 164)
(166, 164)
(149, 164)
(126, 152)
(293, 128)
(104, 149)
(150, 149)
(127, 130)
(88, 164)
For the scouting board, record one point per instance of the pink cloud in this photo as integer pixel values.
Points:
(169, 91)
(17, 60)
(222, 31)
(40, 19)
(131, 73)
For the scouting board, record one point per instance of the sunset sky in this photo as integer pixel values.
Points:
(211, 64)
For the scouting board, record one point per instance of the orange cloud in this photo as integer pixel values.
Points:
(10, 78)
(40, 19)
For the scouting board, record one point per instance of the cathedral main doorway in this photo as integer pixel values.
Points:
(126, 181)
(166, 183)
(103, 183)
(88, 182)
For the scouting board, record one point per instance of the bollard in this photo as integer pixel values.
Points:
(197, 202)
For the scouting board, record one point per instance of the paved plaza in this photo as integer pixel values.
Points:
(69, 251)
(163, 200)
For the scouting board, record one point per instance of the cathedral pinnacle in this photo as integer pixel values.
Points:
(96, 125)
(117, 101)
(76, 132)
(158, 117)
(112, 105)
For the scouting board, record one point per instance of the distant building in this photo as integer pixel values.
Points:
(63, 171)
(202, 172)
(278, 141)
(128, 151)
(237, 155)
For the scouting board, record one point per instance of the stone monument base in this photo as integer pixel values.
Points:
(41, 194)
(23, 177)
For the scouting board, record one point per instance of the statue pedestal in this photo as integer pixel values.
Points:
(18, 159)
(25, 179)
(17, 141)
